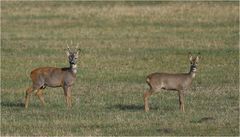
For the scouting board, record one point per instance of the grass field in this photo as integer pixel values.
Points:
(121, 42)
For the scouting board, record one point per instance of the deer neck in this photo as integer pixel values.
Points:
(73, 68)
(192, 74)
(192, 71)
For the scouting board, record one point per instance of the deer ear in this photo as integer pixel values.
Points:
(198, 57)
(77, 46)
(67, 52)
(190, 56)
(79, 50)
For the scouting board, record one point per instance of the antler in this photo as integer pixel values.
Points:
(68, 48)
(78, 49)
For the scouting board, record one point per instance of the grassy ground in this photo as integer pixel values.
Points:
(121, 43)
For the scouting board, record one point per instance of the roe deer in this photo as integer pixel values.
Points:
(178, 82)
(54, 77)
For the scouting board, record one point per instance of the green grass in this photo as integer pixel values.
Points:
(121, 42)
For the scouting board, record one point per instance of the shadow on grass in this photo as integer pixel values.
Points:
(165, 130)
(12, 104)
(129, 107)
(204, 119)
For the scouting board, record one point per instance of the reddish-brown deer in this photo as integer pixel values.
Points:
(178, 82)
(54, 77)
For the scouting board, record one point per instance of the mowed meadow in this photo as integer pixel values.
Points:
(121, 42)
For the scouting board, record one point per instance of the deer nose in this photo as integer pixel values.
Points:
(72, 62)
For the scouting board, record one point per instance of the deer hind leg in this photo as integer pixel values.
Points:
(146, 96)
(181, 100)
(27, 96)
(39, 93)
(67, 93)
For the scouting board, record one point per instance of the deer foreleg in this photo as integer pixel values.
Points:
(67, 93)
(181, 100)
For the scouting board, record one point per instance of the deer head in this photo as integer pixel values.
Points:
(193, 62)
(72, 55)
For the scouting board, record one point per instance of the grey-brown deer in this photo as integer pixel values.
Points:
(54, 77)
(178, 82)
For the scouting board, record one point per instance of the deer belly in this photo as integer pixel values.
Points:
(53, 82)
(171, 85)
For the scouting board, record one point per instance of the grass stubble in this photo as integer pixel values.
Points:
(121, 43)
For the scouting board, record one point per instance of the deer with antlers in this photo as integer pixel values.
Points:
(54, 77)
